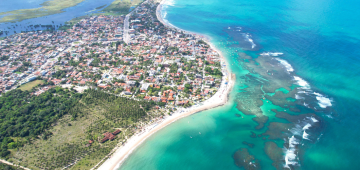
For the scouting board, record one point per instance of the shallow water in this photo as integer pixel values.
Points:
(306, 107)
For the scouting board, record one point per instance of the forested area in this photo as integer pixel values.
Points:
(52, 130)
(27, 116)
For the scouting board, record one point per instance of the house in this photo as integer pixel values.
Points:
(116, 132)
(107, 136)
(145, 86)
(131, 83)
(180, 103)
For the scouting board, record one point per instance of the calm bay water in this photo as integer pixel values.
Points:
(84, 8)
(311, 122)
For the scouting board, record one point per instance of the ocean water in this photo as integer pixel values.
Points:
(296, 101)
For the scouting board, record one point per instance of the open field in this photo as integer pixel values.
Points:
(48, 8)
(30, 85)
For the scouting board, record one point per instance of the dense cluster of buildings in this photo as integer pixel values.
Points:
(156, 63)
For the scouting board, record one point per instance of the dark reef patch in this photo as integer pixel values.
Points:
(276, 129)
(275, 153)
(251, 145)
(261, 120)
(243, 159)
(253, 134)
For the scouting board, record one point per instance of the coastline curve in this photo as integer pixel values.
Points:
(120, 153)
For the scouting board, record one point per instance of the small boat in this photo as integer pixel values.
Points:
(190, 137)
(199, 133)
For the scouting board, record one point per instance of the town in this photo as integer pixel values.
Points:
(134, 56)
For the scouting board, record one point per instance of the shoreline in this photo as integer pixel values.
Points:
(120, 153)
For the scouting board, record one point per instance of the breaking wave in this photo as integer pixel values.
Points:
(323, 101)
(248, 37)
(314, 120)
(297, 133)
(304, 85)
(286, 65)
(305, 135)
(290, 155)
(301, 82)
(271, 54)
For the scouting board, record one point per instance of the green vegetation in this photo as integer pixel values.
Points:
(30, 85)
(54, 129)
(24, 67)
(100, 7)
(48, 8)
(173, 68)
(120, 7)
(8, 167)
(26, 116)
(215, 72)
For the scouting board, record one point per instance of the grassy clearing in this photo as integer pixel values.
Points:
(30, 85)
(48, 8)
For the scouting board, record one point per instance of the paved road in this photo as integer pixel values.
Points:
(126, 36)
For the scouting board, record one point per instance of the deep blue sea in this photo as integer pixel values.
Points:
(296, 101)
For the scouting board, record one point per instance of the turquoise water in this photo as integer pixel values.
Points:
(268, 111)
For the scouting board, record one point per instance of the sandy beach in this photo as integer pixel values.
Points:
(120, 153)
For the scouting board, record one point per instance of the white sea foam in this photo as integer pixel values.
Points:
(301, 82)
(297, 130)
(271, 54)
(323, 101)
(286, 65)
(248, 37)
(290, 155)
(329, 116)
(305, 135)
(307, 126)
(169, 3)
(314, 120)
(298, 97)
